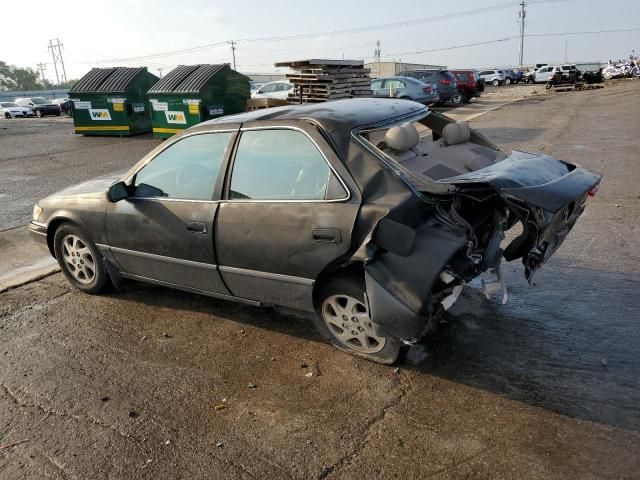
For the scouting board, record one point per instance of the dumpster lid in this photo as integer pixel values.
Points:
(187, 78)
(107, 80)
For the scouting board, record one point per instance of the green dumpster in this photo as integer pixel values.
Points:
(191, 94)
(112, 101)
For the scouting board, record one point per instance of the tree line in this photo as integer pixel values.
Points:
(18, 78)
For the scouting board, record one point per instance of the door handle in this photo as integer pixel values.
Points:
(197, 227)
(328, 235)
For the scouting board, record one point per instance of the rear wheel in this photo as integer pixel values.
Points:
(7, 115)
(343, 319)
(79, 259)
(457, 99)
(495, 83)
(507, 81)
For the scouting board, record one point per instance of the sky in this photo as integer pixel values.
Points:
(112, 32)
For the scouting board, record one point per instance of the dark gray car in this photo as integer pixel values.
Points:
(371, 213)
(406, 88)
(445, 81)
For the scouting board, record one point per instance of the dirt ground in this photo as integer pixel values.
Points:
(149, 383)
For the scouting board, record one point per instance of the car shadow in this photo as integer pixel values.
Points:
(567, 345)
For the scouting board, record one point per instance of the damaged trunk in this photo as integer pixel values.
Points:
(420, 255)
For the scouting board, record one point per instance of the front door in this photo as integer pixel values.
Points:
(164, 231)
(287, 215)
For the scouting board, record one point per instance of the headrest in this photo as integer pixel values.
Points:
(402, 138)
(458, 132)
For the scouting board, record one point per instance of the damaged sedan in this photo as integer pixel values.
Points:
(370, 213)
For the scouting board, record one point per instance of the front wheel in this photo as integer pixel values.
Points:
(343, 319)
(79, 259)
(38, 114)
(457, 99)
(549, 85)
(7, 115)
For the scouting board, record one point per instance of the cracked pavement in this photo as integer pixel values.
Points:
(147, 383)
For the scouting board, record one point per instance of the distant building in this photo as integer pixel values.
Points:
(389, 69)
(265, 77)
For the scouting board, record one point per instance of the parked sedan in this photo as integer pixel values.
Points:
(406, 88)
(12, 110)
(494, 77)
(341, 209)
(40, 106)
(279, 89)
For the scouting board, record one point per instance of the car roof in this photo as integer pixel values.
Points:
(345, 114)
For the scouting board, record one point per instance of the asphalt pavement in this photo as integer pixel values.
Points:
(146, 382)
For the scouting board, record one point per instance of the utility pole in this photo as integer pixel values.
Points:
(233, 52)
(521, 15)
(377, 53)
(56, 53)
(41, 67)
(566, 56)
(160, 71)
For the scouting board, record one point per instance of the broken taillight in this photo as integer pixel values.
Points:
(426, 89)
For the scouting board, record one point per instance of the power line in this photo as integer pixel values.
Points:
(56, 53)
(233, 52)
(521, 15)
(301, 36)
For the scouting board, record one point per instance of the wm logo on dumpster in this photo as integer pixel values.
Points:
(99, 114)
(175, 117)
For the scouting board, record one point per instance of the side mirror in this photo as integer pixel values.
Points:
(117, 192)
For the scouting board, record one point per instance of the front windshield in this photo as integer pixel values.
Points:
(8, 104)
(39, 100)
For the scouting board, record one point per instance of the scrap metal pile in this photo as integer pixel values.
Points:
(321, 80)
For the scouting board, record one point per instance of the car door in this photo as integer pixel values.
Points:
(164, 230)
(395, 88)
(376, 87)
(287, 214)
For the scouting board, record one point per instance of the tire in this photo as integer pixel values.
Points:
(507, 81)
(495, 83)
(79, 259)
(341, 312)
(549, 85)
(38, 113)
(7, 116)
(457, 99)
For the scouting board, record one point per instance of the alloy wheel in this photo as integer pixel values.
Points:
(350, 323)
(78, 259)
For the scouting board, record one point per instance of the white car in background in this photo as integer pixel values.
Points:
(279, 89)
(544, 74)
(13, 110)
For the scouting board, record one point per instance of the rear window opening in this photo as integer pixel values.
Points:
(431, 152)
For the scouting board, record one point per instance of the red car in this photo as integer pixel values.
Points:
(469, 84)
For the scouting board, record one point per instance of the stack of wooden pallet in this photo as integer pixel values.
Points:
(321, 80)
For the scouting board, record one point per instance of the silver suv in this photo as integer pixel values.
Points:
(494, 77)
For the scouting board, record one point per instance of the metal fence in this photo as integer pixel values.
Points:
(11, 95)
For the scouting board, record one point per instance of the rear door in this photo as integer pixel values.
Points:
(164, 232)
(287, 214)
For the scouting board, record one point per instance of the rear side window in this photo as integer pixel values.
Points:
(278, 165)
(376, 84)
(395, 84)
(448, 75)
(187, 169)
(464, 77)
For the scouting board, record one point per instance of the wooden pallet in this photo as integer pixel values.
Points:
(319, 80)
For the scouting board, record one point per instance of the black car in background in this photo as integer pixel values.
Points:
(40, 106)
(369, 213)
(444, 79)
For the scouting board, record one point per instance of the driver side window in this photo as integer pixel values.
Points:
(188, 169)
